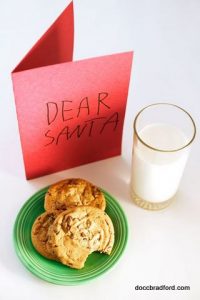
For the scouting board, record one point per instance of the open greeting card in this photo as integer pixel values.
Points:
(69, 112)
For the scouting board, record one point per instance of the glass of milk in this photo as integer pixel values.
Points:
(163, 134)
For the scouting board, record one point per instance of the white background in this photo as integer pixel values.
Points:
(164, 246)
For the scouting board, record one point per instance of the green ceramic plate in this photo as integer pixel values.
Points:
(55, 272)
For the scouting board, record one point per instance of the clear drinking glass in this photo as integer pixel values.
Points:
(163, 134)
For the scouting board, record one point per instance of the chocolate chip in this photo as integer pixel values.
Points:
(88, 223)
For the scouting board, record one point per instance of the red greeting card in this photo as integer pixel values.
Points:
(69, 112)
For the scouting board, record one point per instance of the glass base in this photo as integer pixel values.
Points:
(150, 205)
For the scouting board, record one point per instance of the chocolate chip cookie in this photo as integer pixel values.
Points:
(39, 233)
(73, 192)
(78, 232)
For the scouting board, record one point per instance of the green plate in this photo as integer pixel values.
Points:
(55, 272)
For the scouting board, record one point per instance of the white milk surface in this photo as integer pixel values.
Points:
(156, 175)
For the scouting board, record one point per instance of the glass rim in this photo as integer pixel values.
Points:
(161, 150)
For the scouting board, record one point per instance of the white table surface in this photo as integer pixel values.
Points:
(164, 246)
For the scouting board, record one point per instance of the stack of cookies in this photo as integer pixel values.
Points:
(74, 223)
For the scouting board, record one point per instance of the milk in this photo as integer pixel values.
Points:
(156, 175)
